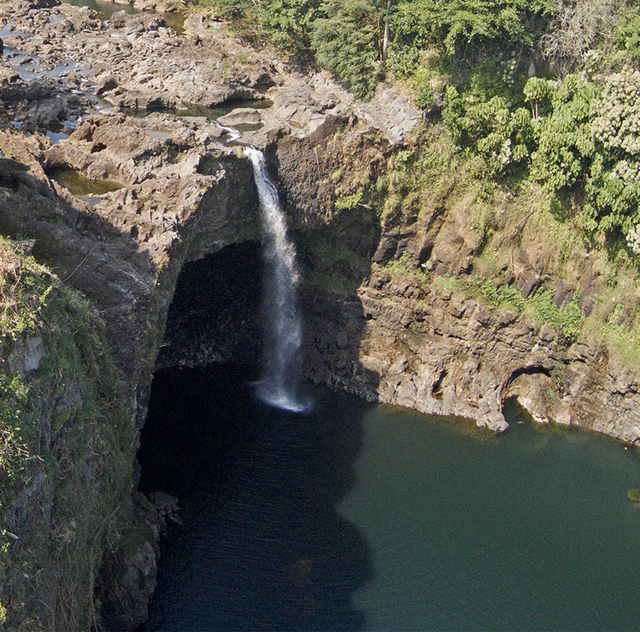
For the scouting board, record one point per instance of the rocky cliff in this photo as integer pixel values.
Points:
(393, 303)
(148, 228)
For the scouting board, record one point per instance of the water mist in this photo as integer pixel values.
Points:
(281, 318)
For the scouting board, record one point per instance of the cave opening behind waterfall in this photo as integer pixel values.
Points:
(261, 545)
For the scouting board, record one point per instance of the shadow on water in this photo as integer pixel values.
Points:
(262, 546)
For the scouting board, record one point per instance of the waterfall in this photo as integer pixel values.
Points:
(281, 318)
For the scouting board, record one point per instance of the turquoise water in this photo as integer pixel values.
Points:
(527, 531)
(361, 517)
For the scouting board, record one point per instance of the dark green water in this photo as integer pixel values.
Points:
(85, 189)
(528, 531)
(358, 517)
(210, 113)
(104, 10)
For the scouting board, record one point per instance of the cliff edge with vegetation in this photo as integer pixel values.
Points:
(464, 236)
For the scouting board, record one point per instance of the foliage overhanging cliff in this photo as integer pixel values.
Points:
(544, 91)
(535, 101)
(64, 469)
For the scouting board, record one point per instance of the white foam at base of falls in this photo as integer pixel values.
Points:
(281, 318)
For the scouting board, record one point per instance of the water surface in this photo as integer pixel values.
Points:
(361, 517)
(104, 9)
(527, 531)
(263, 547)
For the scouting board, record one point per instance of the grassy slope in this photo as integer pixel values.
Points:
(501, 224)
(64, 442)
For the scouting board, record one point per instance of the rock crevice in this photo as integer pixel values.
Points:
(185, 216)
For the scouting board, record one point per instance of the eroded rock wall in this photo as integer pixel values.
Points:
(398, 336)
(377, 322)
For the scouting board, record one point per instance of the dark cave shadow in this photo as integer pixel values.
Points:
(263, 546)
(214, 313)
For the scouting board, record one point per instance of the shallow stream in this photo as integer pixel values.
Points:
(104, 10)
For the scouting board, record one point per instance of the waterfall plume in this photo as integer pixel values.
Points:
(282, 323)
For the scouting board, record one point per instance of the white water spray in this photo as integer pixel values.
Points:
(282, 322)
(232, 133)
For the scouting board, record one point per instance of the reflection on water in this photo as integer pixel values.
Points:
(193, 110)
(158, 133)
(9, 29)
(263, 547)
(104, 11)
(56, 137)
(360, 517)
(81, 187)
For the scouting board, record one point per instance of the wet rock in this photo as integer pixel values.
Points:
(166, 508)
(241, 116)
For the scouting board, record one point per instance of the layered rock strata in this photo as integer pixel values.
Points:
(187, 198)
(446, 355)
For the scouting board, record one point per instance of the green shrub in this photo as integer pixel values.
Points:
(565, 144)
(348, 201)
(539, 305)
(287, 23)
(627, 31)
(459, 27)
(345, 42)
(501, 134)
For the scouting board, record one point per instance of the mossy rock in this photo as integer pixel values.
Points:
(634, 495)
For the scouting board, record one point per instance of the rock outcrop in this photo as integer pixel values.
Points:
(124, 261)
(451, 356)
(183, 198)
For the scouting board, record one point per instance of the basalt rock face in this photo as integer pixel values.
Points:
(381, 326)
(170, 260)
(452, 356)
(398, 336)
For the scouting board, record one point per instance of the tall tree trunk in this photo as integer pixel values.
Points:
(385, 40)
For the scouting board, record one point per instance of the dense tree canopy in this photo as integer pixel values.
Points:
(454, 26)
(346, 41)
(545, 90)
